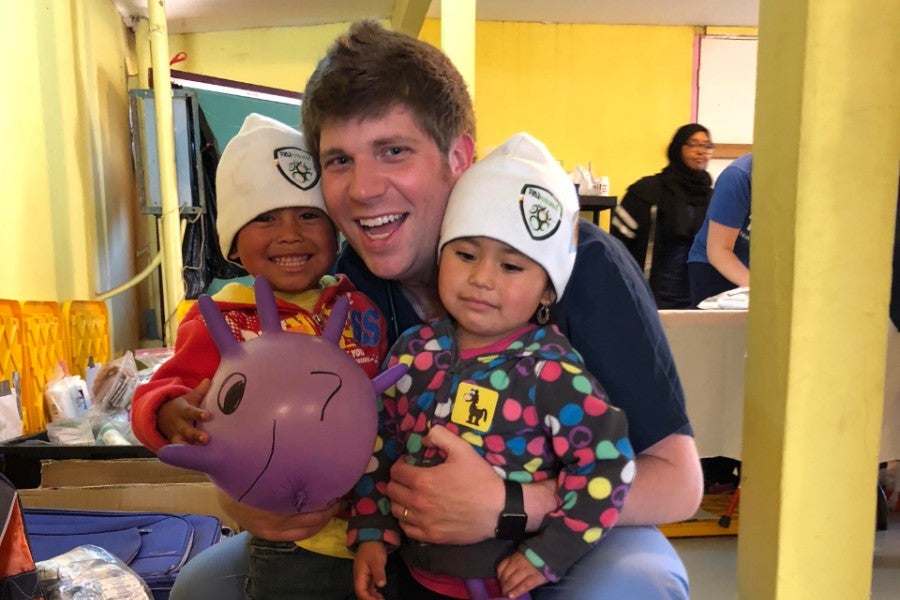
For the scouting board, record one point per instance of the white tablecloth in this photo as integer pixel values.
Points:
(710, 351)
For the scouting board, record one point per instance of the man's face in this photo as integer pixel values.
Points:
(386, 185)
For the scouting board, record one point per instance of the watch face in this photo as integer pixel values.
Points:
(511, 526)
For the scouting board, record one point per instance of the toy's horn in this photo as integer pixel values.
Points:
(388, 378)
(335, 325)
(266, 306)
(218, 328)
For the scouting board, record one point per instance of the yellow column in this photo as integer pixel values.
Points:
(170, 220)
(458, 37)
(826, 149)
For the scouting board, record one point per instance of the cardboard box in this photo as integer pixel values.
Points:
(144, 485)
(62, 473)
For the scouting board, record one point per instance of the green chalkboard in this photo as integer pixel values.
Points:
(225, 112)
(225, 103)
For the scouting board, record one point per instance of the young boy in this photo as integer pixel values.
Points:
(272, 221)
(514, 389)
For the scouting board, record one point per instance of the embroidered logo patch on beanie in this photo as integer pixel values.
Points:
(541, 211)
(297, 166)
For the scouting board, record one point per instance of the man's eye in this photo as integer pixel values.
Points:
(395, 151)
(336, 161)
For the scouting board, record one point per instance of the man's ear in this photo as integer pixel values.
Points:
(461, 155)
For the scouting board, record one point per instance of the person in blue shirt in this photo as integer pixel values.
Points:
(719, 259)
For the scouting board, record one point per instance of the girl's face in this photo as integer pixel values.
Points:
(490, 289)
(291, 247)
(695, 152)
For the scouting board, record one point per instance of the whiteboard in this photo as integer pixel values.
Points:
(726, 91)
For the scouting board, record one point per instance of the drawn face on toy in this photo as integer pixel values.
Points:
(294, 417)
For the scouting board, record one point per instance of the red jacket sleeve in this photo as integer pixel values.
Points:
(196, 358)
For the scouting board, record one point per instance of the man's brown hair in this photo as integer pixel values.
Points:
(369, 70)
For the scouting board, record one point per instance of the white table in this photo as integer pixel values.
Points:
(710, 352)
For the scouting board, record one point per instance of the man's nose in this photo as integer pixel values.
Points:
(366, 181)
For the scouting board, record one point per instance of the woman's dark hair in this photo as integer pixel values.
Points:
(680, 138)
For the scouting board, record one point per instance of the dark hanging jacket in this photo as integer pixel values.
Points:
(663, 213)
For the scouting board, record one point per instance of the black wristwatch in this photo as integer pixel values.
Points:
(512, 521)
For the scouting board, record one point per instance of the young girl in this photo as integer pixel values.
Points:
(272, 221)
(497, 374)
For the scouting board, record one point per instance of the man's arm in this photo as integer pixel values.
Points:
(668, 486)
(280, 527)
(459, 500)
(720, 251)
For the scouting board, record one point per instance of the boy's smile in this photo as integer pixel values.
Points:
(291, 247)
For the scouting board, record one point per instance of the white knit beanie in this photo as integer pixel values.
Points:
(264, 167)
(519, 195)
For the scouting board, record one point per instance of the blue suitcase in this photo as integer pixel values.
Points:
(154, 545)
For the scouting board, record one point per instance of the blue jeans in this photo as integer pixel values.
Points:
(245, 567)
(637, 563)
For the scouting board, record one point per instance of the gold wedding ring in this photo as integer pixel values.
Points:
(405, 512)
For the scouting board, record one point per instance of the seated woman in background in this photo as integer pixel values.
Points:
(664, 212)
(720, 256)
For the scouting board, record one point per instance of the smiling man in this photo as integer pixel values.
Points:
(392, 124)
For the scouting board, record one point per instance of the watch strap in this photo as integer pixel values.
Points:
(512, 521)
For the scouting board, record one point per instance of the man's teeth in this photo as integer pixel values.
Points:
(379, 221)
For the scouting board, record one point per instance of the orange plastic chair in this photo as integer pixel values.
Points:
(46, 344)
(12, 340)
(87, 328)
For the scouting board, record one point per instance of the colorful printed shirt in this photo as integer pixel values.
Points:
(196, 358)
(530, 408)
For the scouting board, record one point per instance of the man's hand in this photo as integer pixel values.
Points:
(279, 527)
(176, 417)
(455, 502)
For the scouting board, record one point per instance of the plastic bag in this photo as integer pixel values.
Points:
(67, 396)
(71, 432)
(10, 412)
(115, 383)
(89, 572)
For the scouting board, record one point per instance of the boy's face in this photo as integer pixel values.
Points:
(386, 183)
(491, 289)
(291, 247)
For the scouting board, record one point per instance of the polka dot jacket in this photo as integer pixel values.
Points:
(530, 408)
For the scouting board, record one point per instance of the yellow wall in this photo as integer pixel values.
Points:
(281, 57)
(68, 210)
(609, 95)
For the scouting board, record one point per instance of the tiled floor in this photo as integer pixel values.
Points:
(712, 564)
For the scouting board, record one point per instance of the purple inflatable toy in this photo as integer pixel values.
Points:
(294, 418)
